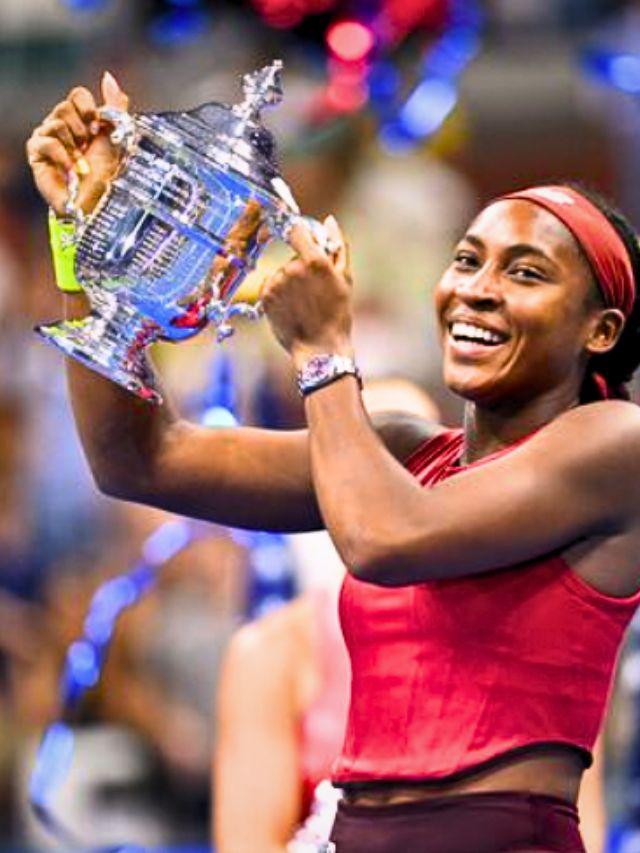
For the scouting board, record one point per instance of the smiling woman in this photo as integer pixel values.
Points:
(492, 570)
(517, 263)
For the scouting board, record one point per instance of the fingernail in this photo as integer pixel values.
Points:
(82, 167)
(108, 78)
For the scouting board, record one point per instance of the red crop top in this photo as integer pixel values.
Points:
(324, 722)
(449, 675)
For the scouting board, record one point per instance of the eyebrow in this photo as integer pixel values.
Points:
(515, 251)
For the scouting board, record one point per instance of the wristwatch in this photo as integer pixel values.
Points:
(324, 369)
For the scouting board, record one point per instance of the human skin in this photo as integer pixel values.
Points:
(262, 478)
(391, 531)
(270, 677)
(274, 670)
(591, 803)
(387, 529)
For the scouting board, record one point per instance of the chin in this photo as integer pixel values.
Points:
(475, 389)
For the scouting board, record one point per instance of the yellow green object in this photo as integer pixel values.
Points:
(62, 235)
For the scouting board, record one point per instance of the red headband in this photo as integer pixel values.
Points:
(601, 243)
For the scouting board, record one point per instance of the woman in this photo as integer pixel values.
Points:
(283, 696)
(492, 571)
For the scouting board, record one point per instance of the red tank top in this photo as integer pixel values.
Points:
(450, 675)
(324, 722)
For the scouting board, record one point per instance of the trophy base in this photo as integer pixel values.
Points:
(96, 343)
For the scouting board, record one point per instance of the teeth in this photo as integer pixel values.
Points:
(474, 333)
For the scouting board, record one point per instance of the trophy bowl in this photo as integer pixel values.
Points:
(177, 231)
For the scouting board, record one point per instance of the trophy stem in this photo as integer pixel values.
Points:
(111, 343)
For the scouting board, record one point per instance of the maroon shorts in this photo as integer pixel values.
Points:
(464, 823)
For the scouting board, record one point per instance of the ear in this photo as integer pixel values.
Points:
(605, 330)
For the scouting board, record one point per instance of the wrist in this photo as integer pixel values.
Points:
(62, 238)
(301, 354)
(324, 369)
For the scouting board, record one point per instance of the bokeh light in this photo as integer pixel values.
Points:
(350, 41)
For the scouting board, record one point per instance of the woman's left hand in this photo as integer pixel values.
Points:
(308, 301)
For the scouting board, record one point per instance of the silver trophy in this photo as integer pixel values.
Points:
(177, 231)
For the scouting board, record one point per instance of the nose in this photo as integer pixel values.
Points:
(480, 289)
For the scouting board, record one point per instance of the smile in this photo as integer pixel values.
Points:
(463, 333)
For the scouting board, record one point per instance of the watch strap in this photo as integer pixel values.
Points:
(323, 369)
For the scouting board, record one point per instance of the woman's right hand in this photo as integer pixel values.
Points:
(73, 137)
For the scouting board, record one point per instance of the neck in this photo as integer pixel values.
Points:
(488, 429)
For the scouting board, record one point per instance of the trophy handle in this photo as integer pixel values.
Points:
(319, 233)
(280, 220)
(224, 329)
(281, 223)
(284, 218)
(124, 136)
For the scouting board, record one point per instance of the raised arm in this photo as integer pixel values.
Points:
(240, 477)
(562, 486)
(140, 452)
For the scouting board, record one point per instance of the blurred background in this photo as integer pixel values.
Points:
(400, 117)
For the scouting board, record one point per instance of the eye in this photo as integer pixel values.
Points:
(466, 260)
(524, 272)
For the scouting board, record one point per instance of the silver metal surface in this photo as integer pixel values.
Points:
(177, 231)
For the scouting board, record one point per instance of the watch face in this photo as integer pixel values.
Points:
(317, 367)
(322, 369)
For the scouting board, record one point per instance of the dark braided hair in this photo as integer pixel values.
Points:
(619, 364)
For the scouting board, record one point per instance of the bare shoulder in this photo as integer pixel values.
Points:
(597, 446)
(403, 433)
(610, 428)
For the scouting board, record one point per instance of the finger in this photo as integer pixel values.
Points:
(301, 240)
(42, 153)
(84, 104)
(270, 285)
(46, 149)
(264, 292)
(56, 128)
(112, 94)
(339, 244)
(67, 112)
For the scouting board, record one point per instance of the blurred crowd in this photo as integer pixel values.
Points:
(142, 768)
